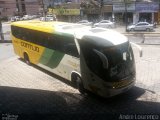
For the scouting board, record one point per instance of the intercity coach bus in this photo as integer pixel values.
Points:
(94, 59)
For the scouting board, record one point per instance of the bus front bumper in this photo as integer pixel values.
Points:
(109, 92)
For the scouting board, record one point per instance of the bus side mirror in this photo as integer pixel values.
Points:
(140, 49)
(103, 58)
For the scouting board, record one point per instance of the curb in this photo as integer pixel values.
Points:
(8, 22)
(146, 44)
(5, 41)
(142, 34)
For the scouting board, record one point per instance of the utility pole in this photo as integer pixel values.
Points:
(126, 22)
(101, 9)
(1, 31)
(44, 12)
(158, 22)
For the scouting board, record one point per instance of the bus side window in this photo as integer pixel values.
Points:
(20, 33)
(33, 37)
(25, 35)
(71, 49)
(15, 31)
(69, 46)
(49, 42)
(40, 38)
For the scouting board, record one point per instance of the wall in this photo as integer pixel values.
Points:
(7, 7)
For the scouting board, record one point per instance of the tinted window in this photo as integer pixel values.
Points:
(141, 24)
(62, 43)
(120, 60)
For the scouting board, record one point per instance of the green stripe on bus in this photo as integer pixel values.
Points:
(51, 58)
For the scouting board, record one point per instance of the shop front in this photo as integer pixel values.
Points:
(107, 12)
(93, 14)
(147, 12)
(123, 12)
(67, 15)
(157, 16)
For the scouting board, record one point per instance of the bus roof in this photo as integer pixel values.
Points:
(74, 29)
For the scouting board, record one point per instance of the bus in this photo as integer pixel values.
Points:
(97, 60)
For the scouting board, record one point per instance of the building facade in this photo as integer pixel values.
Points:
(32, 7)
(147, 11)
(132, 11)
(94, 10)
(7, 8)
(122, 11)
(10, 8)
(65, 10)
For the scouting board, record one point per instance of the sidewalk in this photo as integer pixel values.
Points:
(7, 38)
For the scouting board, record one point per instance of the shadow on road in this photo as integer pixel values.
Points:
(40, 104)
(51, 74)
(60, 104)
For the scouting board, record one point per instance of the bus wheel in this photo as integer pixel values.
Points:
(74, 80)
(80, 86)
(26, 59)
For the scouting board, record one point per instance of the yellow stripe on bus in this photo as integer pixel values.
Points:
(34, 51)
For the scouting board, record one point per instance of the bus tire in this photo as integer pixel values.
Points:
(80, 86)
(26, 59)
(74, 80)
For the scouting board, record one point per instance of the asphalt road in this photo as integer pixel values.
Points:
(6, 51)
(150, 40)
(6, 27)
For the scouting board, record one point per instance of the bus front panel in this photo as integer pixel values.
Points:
(118, 76)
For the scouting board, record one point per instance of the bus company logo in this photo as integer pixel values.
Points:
(29, 46)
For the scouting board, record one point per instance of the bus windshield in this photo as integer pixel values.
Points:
(120, 61)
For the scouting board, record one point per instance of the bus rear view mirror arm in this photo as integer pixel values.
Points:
(103, 58)
(140, 49)
(77, 44)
